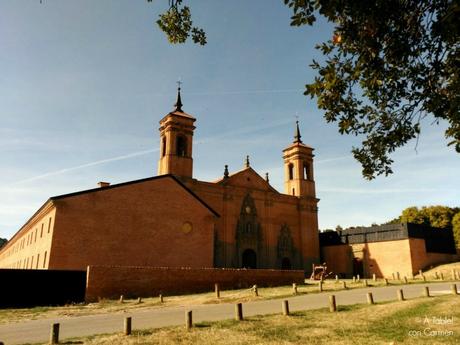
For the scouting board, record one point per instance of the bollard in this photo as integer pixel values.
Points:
(336, 278)
(357, 278)
(453, 274)
(332, 304)
(188, 319)
(217, 290)
(161, 298)
(405, 280)
(139, 300)
(127, 326)
(320, 286)
(354, 279)
(238, 311)
(374, 278)
(285, 308)
(442, 275)
(398, 276)
(255, 290)
(436, 275)
(122, 298)
(365, 282)
(453, 288)
(294, 288)
(392, 276)
(386, 281)
(423, 277)
(344, 284)
(400, 294)
(370, 298)
(426, 291)
(54, 334)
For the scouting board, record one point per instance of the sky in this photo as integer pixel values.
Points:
(84, 83)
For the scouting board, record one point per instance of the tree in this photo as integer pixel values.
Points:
(388, 65)
(456, 228)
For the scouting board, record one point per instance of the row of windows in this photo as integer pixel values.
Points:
(33, 262)
(306, 173)
(29, 238)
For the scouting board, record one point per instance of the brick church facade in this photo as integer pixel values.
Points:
(175, 220)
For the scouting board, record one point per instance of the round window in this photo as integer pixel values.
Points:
(187, 227)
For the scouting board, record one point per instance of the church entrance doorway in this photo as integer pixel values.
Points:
(249, 259)
(285, 264)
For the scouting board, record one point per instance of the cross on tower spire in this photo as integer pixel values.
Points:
(297, 135)
(178, 103)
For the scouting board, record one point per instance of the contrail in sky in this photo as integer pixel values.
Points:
(141, 153)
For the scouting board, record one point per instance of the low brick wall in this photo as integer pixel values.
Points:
(113, 281)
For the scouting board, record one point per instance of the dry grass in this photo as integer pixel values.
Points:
(232, 296)
(386, 323)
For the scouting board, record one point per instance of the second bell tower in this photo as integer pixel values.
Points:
(176, 139)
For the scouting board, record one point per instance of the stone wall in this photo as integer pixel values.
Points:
(113, 281)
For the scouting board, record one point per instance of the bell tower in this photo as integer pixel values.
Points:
(298, 168)
(176, 139)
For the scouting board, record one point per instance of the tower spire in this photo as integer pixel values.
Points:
(297, 135)
(178, 103)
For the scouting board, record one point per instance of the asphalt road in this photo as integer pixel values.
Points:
(35, 331)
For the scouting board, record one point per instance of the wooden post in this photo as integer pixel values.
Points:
(332, 304)
(344, 284)
(374, 278)
(405, 280)
(426, 291)
(400, 294)
(453, 288)
(294, 288)
(161, 298)
(285, 307)
(370, 298)
(127, 326)
(188, 319)
(122, 299)
(256, 292)
(217, 290)
(320, 286)
(238, 311)
(54, 334)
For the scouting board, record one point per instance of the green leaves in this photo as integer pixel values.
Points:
(176, 23)
(387, 66)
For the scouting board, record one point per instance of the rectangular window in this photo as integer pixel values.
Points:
(27, 263)
(44, 260)
(38, 259)
(49, 225)
(41, 231)
(36, 230)
(32, 262)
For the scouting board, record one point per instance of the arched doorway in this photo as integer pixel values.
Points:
(285, 264)
(249, 259)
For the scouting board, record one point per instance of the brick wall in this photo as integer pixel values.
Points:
(113, 281)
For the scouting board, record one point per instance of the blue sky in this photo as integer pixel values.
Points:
(84, 83)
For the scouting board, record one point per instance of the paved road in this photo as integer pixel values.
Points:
(35, 331)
